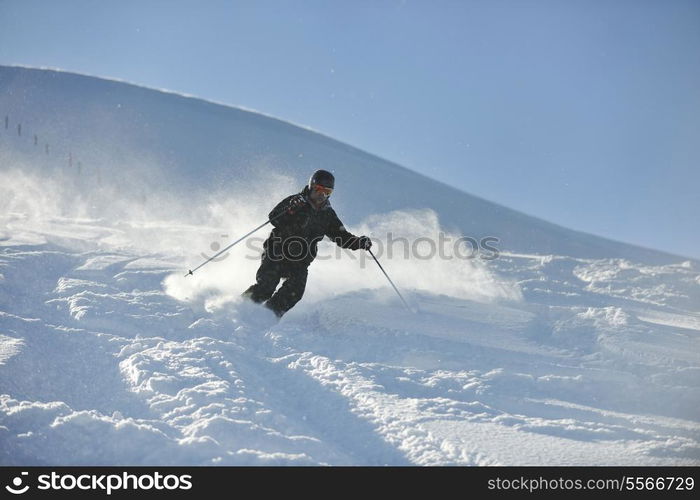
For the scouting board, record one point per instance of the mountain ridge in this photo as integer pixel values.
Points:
(544, 237)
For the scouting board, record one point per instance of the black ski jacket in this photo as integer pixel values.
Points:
(296, 235)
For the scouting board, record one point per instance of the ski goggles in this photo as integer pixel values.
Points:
(326, 191)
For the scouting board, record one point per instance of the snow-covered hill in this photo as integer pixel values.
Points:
(566, 349)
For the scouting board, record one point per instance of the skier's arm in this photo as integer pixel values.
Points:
(341, 236)
(281, 215)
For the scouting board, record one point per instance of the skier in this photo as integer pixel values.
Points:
(292, 244)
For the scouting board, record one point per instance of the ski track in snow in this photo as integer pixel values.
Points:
(554, 359)
(597, 365)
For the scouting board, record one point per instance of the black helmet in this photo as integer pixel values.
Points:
(322, 178)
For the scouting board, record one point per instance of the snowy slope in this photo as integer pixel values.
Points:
(567, 349)
(139, 141)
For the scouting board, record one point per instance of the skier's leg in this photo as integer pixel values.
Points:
(291, 291)
(267, 279)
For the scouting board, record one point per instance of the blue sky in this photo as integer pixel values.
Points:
(585, 113)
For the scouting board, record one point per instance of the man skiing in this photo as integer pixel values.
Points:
(300, 221)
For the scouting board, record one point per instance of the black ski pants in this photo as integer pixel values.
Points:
(268, 277)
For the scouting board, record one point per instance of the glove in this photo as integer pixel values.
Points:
(295, 203)
(364, 243)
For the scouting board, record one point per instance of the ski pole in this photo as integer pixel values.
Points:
(191, 271)
(392, 283)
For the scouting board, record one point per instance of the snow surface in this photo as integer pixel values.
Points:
(567, 349)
